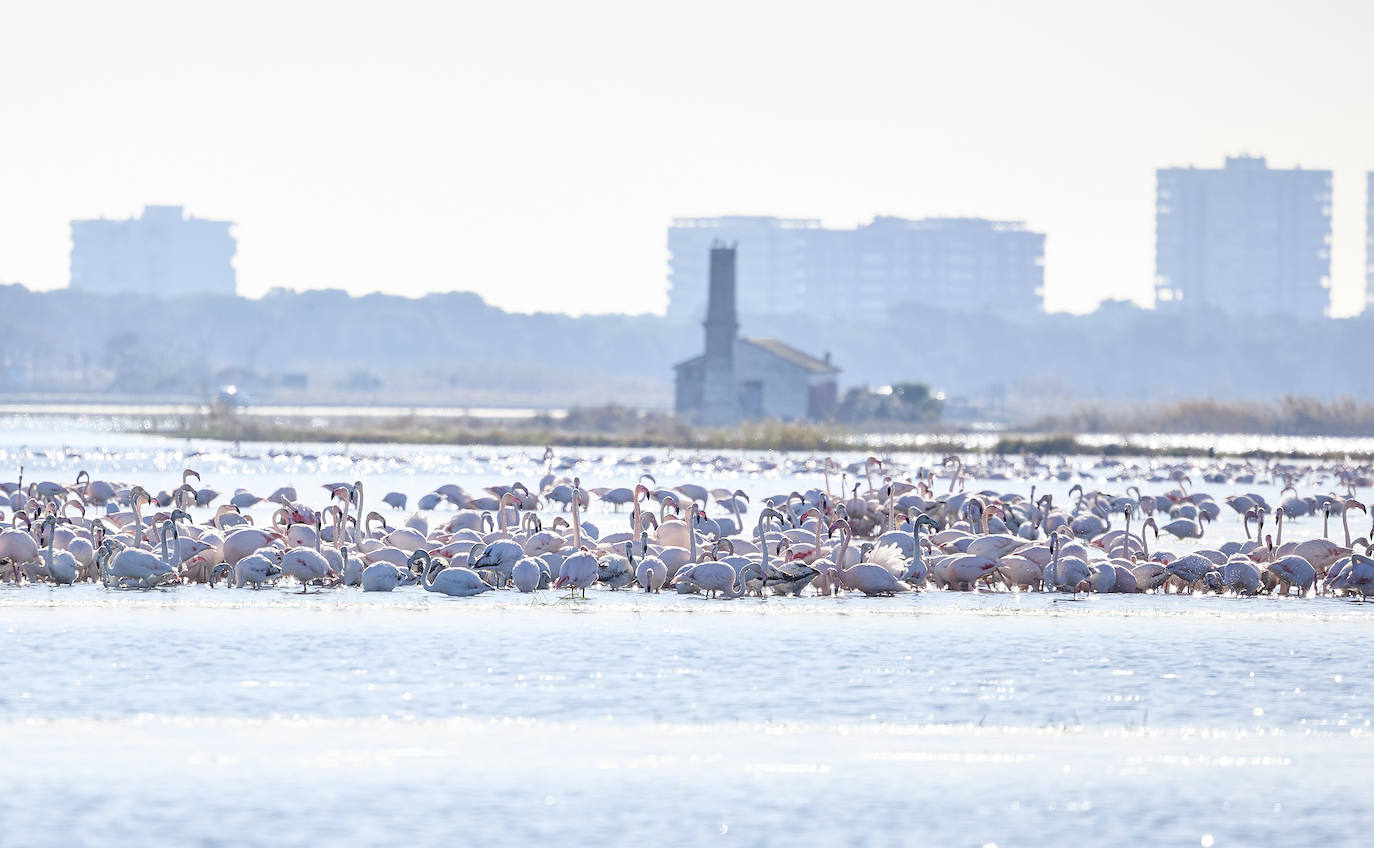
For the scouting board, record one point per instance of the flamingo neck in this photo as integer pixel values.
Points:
(138, 526)
(577, 521)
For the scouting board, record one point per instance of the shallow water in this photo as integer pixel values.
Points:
(208, 717)
(199, 716)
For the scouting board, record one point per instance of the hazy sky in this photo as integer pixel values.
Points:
(536, 152)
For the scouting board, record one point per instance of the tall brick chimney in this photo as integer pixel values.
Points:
(720, 400)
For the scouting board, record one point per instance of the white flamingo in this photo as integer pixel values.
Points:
(650, 573)
(454, 581)
(872, 580)
(62, 566)
(134, 567)
(384, 577)
(306, 565)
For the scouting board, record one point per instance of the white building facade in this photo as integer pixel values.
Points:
(1369, 239)
(163, 253)
(793, 264)
(1244, 239)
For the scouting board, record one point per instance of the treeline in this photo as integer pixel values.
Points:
(454, 348)
(448, 348)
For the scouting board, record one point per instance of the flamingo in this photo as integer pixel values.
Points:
(1320, 553)
(455, 581)
(526, 574)
(615, 570)
(1357, 577)
(1184, 528)
(1292, 570)
(18, 547)
(62, 566)
(1065, 574)
(137, 567)
(1189, 571)
(789, 576)
(713, 577)
(306, 565)
(917, 572)
(384, 577)
(502, 554)
(870, 579)
(578, 571)
(1241, 576)
(255, 569)
(651, 573)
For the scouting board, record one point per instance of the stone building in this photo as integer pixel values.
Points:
(740, 378)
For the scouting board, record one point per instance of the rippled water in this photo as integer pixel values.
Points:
(207, 717)
(198, 715)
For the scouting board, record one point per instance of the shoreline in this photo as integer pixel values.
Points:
(768, 435)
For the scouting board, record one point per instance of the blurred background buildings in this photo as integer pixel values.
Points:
(163, 253)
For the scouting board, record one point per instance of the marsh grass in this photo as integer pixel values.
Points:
(1290, 416)
(614, 426)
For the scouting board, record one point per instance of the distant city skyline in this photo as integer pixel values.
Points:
(791, 265)
(534, 153)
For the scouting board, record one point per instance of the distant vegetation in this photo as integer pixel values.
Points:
(605, 426)
(454, 349)
(1297, 416)
(900, 403)
(616, 426)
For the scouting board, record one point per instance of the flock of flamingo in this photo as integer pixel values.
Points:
(888, 534)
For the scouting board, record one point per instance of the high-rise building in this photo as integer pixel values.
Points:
(793, 264)
(1244, 239)
(1369, 239)
(162, 253)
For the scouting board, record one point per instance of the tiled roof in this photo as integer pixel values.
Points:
(794, 356)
